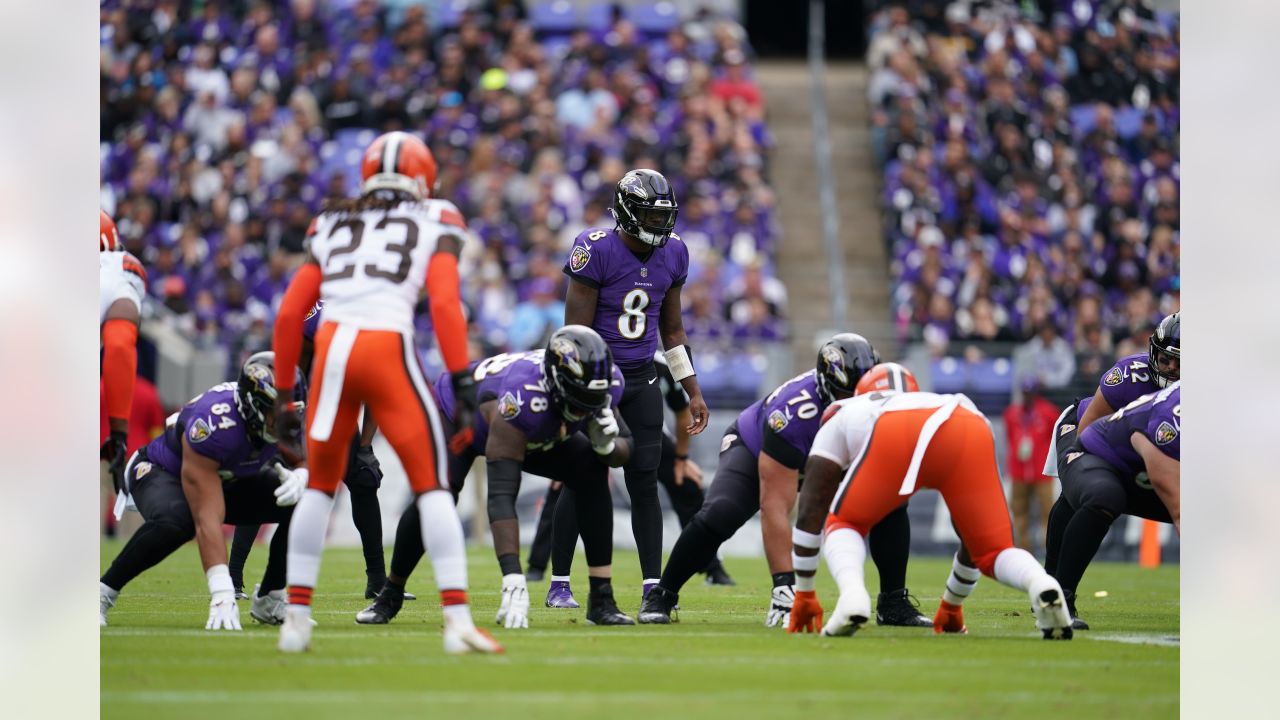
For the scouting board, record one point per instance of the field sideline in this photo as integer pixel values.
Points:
(157, 661)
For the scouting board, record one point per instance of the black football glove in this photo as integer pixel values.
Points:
(115, 451)
(367, 462)
(289, 432)
(464, 403)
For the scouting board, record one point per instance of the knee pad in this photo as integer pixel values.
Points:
(502, 501)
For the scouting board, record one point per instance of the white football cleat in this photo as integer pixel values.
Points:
(851, 613)
(461, 638)
(268, 609)
(1050, 608)
(105, 603)
(295, 633)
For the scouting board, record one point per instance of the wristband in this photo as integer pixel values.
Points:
(682, 457)
(806, 583)
(680, 362)
(607, 449)
(219, 577)
(784, 578)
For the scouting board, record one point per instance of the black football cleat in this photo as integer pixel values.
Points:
(900, 609)
(659, 607)
(1076, 622)
(372, 588)
(602, 609)
(717, 575)
(384, 608)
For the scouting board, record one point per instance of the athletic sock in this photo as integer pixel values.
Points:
(408, 549)
(961, 582)
(890, 544)
(273, 577)
(564, 532)
(443, 539)
(597, 584)
(509, 564)
(846, 554)
(646, 521)
(1017, 568)
(306, 542)
(241, 544)
(1059, 517)
(366, 514)
(1084, 534)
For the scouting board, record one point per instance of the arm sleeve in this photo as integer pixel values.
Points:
(778, 448)
(286, 338)
(446, 310)
(119, 366)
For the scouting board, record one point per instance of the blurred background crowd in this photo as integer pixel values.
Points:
(226, 125)
(1030, 162)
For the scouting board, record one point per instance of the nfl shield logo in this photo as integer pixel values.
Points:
(579, 258)
(644, 272)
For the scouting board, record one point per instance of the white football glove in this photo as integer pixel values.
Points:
(513, 611)
(780, 607)
(293, 483)
(602, 429)
(224, 614)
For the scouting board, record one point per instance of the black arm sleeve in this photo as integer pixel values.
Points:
(786, 454)
(672, 392)
(504, 486)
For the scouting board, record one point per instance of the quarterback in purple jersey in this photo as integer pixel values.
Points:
(363, 478)
(625, 284)
(215, 463)
(760, 459)
(1126, 464)
(549, 413)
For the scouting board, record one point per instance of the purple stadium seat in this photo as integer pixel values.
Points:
(448, 13)
(556, 17)
(654, 18)
(1083, 118)
(992, 375)
(949, 375)
(598, 18)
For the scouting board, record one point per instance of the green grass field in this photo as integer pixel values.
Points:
(719, 662)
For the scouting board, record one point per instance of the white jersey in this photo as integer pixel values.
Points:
(121, 277)
(374, 263)
(845, 436)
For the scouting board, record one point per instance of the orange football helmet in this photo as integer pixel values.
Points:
(108, 238)
(887, 376)
(399, 161)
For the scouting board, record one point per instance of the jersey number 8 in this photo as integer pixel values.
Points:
(631, 321)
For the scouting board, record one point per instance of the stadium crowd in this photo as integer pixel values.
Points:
(226, 125)
(1031, 180)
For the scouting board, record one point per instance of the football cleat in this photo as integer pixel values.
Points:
(659, 607)
(372, 588)
(717, 575)
(462, 637)
(240, 593)
(295, 633)
(1076, 622)
(603, 610)
(104, 604)
(1050, 608)
(383, 609)
(900, 609)
(268, 609)
(949, 619)
(559, 595)
(851, 613)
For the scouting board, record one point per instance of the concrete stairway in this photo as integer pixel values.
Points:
(802, 261)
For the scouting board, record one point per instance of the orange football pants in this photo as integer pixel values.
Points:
(381, 372)
(960, 463)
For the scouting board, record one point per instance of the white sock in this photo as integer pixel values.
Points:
(846, 554)
(560, 578)
(299, 612)
(442, 536)
(459, 616)
(111, 594)
(961, 582)
(306, 538)
(1017, 568)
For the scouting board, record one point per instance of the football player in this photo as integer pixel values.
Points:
(760, 459)
(215, 463)
(680, 475)
(363, 477)
(625, 284)
(122, 284)
(1126, 464)
(888, 444)
(1129, 379)
(369, 259)
(546, 412)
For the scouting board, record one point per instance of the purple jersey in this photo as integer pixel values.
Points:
(1157, 416)
(785, 422)
(516, 381)
(1129, 379)
(311, 323)
(214, 428)
(631, 290)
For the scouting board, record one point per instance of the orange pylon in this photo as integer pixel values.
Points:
(1149, 546)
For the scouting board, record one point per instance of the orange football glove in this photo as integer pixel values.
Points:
(806, 613)
(949, 619)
